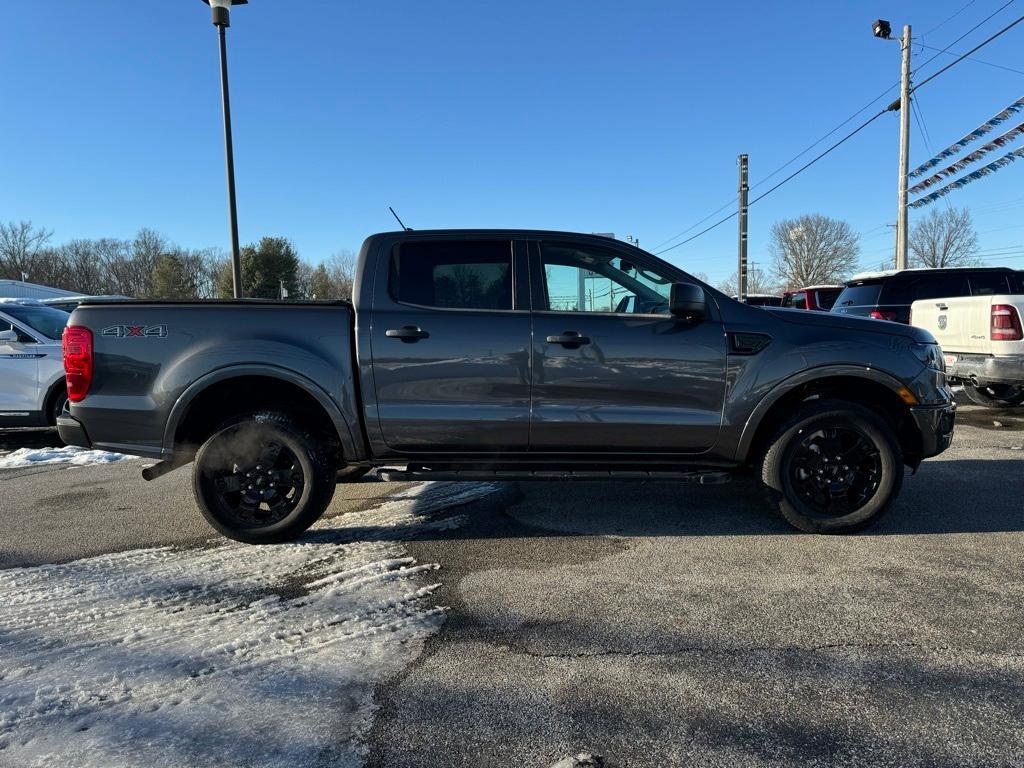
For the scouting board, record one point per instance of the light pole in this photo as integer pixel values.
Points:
(882, 29)
(221, 10)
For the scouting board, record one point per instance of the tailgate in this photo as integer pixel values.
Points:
(959, 324)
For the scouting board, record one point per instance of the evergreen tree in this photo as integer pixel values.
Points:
(320, 284)
(266, 264)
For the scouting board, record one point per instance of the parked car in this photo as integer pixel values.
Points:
(495, 354)
(68, 303)
(817, 298)
(762, 300)
(983, 344)
(888, 295)
(32, 391)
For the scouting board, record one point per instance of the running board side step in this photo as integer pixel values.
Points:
(700, 477)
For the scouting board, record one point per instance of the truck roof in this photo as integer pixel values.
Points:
(884, 273)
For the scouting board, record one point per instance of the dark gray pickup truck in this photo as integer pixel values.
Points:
(495, 354)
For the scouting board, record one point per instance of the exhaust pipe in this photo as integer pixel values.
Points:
(161, 468)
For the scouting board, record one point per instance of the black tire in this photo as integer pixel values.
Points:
(996, 395)
(352, 474)
(58, 402)
(262, 480)
(839, 493)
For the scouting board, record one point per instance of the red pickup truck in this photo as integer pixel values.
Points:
(818, 298)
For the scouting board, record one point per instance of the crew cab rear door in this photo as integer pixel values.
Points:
(614, 371)
(450, 338)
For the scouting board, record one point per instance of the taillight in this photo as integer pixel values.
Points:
(1005, 323)
(883, 315)
(78, 362)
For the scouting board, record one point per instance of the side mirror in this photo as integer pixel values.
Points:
(688, 300)
(8, 337)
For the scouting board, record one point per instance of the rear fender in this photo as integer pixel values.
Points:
(351, 447)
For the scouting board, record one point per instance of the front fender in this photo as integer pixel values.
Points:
(797, 380)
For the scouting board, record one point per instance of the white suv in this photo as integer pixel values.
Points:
(32, 390)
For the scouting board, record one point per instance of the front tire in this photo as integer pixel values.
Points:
(995, 395)
(261, 479)
(834, 467)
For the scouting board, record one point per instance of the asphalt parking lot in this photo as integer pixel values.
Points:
(660, 624)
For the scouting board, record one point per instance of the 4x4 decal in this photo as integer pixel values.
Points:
(148, 331)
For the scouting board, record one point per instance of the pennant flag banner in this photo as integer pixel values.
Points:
(975, 156)
(977, 133)
(963, 181)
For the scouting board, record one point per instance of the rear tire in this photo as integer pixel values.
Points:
(833, 467)
(58, 402)
(995, 395)
(261, 479)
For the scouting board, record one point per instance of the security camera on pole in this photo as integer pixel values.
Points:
(221, 10)
(882, 29)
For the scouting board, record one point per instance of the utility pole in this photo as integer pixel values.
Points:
(741, 270)
(902, 232)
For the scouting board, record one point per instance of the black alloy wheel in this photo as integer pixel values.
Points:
(835, 470)
(261, 479)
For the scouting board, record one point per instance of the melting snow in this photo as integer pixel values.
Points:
(224, 655)
(28, 457)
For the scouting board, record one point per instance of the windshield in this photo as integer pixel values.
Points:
(46, 321)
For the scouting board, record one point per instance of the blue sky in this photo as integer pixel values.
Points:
(592, 116)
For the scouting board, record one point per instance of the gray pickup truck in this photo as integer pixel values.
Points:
(506, 354)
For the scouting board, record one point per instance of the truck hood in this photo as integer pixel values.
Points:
(850, 323)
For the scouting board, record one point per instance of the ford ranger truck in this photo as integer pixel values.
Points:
(982, 343)
(496, 354)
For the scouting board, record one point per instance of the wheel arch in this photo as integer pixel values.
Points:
(209, 400)
(866, 386)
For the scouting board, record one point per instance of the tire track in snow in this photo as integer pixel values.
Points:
(226, 654)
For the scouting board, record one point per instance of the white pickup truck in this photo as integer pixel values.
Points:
(983, 343)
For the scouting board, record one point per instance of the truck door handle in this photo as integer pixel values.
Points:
(942, 307)
(569, 339)
(407, 333)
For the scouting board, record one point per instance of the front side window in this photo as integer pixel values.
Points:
(47, 321)
(461, 274)
(585, 279)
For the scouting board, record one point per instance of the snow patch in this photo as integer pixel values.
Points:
(225, 655)
(29, 457)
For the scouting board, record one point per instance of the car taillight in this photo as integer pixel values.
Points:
(883, 315)
(1005, 323)
(78, 362)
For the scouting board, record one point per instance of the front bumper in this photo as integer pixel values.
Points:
(935, 426)
(987, 369)
(72, 432)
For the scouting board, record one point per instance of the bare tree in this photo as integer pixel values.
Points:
(342, 270)
(812, 250)
(758, 281)
(20, 245)
(944, 238)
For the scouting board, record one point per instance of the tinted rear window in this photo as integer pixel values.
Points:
(827, 297)
(989, 283)
(797, 300)
(464, 274)
(865, 295)
(908, 288)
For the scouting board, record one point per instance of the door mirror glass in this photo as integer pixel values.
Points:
(688, 300)
(8, 337)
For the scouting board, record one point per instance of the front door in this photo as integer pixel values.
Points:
(613, 370)
(19, 373)
(450, 342)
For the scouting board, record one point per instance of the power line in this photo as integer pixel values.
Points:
(958, 59)
(944, 23)
(791, 176)
(976, 61)
(831, 132)
(965, 34)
